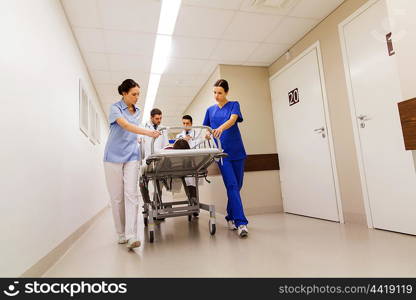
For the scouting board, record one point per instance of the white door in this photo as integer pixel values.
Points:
(306, 168)
(388, 172)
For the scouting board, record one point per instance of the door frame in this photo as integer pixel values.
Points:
(317, 46)
(356, 130)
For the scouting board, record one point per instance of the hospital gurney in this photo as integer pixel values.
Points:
(163, 167)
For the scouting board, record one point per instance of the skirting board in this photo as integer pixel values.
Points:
(354, 218)
(251, 211)
(46, 262)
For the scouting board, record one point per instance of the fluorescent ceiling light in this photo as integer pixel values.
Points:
(167, 20)
(161, 53)
(168, 15)
(150, 96)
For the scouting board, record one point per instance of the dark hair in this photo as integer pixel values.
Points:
(181, 144)
(187, 117)
(222, 83)
(155, 111)
(126, 85)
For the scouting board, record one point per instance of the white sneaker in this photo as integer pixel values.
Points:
(132, 243)
(231, 225)
(242, 231)
(122, 239)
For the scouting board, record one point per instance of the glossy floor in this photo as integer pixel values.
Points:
(279, 245)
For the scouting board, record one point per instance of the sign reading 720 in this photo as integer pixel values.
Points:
(293, 97)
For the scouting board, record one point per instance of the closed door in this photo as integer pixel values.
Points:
(388, 173)
(306, 169)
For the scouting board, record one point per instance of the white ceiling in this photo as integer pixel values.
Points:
(116, 38)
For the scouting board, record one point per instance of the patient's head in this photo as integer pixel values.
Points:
(181, 144)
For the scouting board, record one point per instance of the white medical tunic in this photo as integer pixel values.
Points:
(161, 142)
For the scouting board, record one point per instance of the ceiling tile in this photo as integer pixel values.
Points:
(233, 51)
(267, 53)
(82, 13)
(172, 108)
(90, 40)
(108, 91)
(182, 80)
(168, 92)
(122, 42)
(117, 38)
(130, 15)
(184, 66)
(202, 22)
(228, 4)
(251, 27)
(163, 99)
(267, 9)
(290, 30)
(103, 77)
(317, 9)
(135, 63)
(96, 61)
(186, 47)
(209, 67)
(117, 77)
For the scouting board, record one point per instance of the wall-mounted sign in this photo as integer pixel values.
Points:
(389, 44)
(83, 109)
(293, 97)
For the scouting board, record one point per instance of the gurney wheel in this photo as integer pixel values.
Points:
(151, 236)
(189, 218)
(195, 215)
(212, 228)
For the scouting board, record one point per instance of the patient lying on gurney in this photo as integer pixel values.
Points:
(181, 144)
(175, 185)
(190, 182)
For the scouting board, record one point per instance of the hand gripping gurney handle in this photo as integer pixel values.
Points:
(161, 129)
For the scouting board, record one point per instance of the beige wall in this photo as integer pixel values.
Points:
(203, 99)
(327, 34)
(250, 86)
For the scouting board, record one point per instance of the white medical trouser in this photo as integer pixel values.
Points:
(122, 185)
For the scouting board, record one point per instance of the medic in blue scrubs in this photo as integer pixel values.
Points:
(223, 118)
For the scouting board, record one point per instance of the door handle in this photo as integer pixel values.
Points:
(363, 119)
(321, 130)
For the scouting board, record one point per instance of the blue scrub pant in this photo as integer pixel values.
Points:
(233, 173)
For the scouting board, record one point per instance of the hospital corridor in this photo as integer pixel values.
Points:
(207, 139)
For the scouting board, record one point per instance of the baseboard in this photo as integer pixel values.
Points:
(354, 218)
(249, 211)
(46, 262)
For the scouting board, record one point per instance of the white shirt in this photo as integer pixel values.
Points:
(193, 134)
(161, 142)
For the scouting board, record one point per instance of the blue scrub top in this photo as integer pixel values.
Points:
(231, 140)
(121, 144)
